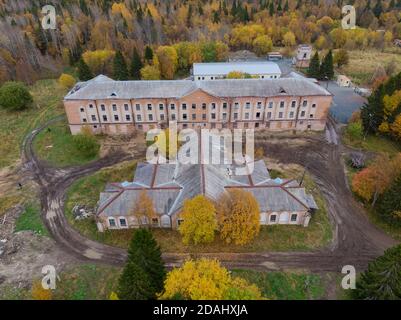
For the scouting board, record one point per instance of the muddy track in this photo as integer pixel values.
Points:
(355, 240)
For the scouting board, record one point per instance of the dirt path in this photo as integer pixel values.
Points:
(355, 242)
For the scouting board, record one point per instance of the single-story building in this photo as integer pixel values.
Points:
(343, 81)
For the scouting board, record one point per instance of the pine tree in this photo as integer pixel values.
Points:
(136, 65)
(120, 70)
(271, 9)
(148, 54)
(389, 204)
(144, 258)
(314, 66)
(378, 9)
(135, 284)
(84, 73)
(382, 280)
(286, 6)
(327, 68)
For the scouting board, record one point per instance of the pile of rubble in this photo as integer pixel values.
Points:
(82, 212)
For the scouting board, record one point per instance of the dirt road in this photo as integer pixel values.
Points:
(355, 242)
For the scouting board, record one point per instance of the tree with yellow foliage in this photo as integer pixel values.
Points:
(207, 280)
(66, 80)
(262, 45)
(396, 127)
(98, 60)
(238, 216)
(144, 209)
(39, 293)
(289, 39)
(168, 60)
(113, 296)
(150, 73)
(200, 221)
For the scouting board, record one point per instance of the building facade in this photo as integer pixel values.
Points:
(303, 56)
(120, 107)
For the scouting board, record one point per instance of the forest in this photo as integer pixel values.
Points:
(186, 30)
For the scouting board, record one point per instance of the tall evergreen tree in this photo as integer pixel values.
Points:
(286, 6)
(271, 9)
(120, 70)
(327, 67)
(389, 204)
(314, 66)
(148, 54)
(144, 258)
(136, 65)
(378, 9)
(84, 73)
(382, 279)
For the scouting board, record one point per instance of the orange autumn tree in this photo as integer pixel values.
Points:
(144, 208)
(238, 216)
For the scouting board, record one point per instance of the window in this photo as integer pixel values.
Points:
(162, 117)
(224, 105)
(259, 105)
(280, 115)
(123, 222)
(155, 221)
(105, 118)
(116, 117)
(138, 117)
(204, 116)
(294, 217)
(257, 115)
(270, 104)
(248, 105)
(309, 126)
(213, 105)
(91, 106)
(184, 116)
(138, 107)
(281, 104)
(193, 116)
(84, 120)
(311, 115)
(194, 106)
(126, 108)
(140, 127)
(204, 106)
(273, 218)
(93, 118)
(184, 106)
(114, 107)
(82, 110)
(269, 115)
(103, 107)
(112, 222)
(199, 78)
(173, 117)
(213, 116)
(149, 107)
(128, 117)
(291, 114)
(172, 106)
(224, 116)
(235, 116)
(303, 114)
(161, 106)
(247, 116)
(150, 117)
(179, 221)
(293, 103)
(236, 105)
(314, 105)
(304, 103)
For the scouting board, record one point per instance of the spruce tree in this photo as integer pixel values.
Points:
(314, 67)
(389, 204)
(286, 6)
(382, 279)
(271, 9)
(84, 73)
(144, 262)
(120, 70)
(148, 54)
(136, 65)
(327, 68)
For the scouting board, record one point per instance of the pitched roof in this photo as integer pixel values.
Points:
(224, 68)
(104, 88)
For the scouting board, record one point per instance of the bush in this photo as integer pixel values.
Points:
(67, 81)
(87, 144)
(15, 96)
(354, 130)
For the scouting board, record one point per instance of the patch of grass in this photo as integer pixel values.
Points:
(363, 63)
(14, 126)
(87, 282)
(8, 292)
(30, 220)
(283, 285)
(56, 146)
(7, 202)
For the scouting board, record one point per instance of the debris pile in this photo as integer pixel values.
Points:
(82, 212)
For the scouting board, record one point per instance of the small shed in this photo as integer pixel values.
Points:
(274, 55)
(343, 81)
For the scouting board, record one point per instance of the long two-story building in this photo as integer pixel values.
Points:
(120, 107)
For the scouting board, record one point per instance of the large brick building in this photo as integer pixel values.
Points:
(119, 107)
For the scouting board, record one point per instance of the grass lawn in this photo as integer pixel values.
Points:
(14, 126)
(30, 220)
(285, 286)
(271, 238)
(57, 147)
(363, 63)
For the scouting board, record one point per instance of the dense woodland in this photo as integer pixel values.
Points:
(27, 51)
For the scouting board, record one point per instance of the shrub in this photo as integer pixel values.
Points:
(67, 81)
(354, 130)
(87, 144)
(15, 96)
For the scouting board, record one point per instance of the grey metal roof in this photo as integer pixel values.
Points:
(103, 88)
(224, 68)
